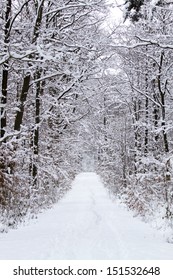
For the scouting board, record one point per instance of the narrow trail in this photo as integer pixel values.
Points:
(85, 224)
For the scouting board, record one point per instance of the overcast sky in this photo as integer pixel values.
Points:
(115, 12)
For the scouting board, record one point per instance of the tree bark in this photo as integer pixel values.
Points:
(162, 99)
(35, 139)
(27, 78)
(23, 96)
(5, 69)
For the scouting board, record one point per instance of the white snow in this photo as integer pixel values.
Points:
(85, 224)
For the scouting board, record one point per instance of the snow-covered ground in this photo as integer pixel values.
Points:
(85, 224)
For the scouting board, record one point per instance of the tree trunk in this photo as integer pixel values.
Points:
(35, 139)
(23, 96)
(4, 99)
(27, 78)
(5, 69)
(146, 108)
(162, 99)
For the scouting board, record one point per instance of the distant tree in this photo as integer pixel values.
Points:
(133, 9)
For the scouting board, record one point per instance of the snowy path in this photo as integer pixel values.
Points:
(85, 224)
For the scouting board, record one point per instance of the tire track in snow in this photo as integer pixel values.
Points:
(104, 218)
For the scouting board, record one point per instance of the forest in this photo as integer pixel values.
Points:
(81, 93)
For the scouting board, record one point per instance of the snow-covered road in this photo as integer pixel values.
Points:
(85, 224)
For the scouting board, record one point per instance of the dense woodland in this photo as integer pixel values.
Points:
(79, 94)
